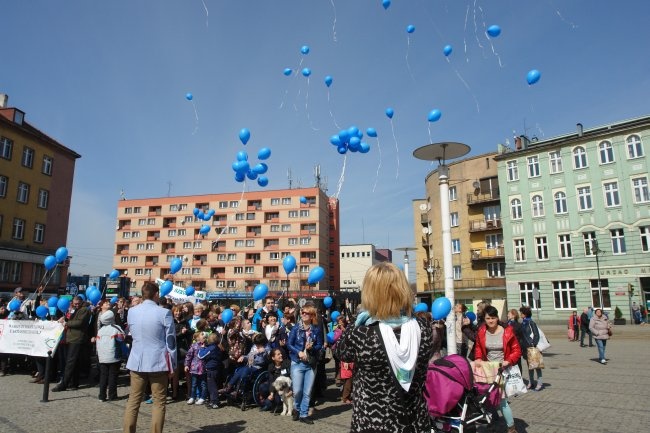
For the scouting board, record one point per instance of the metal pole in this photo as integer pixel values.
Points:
(46, 381)
(600, 289)
(443, 181)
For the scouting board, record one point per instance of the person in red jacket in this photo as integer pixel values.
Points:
(495, 342)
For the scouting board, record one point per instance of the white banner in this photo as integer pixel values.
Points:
(29, 337)
(177, 295)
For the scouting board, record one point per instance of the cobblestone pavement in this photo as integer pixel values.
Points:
(580, 395)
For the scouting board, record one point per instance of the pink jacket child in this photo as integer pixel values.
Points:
(196, 364)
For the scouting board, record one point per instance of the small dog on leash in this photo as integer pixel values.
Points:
(282, 386)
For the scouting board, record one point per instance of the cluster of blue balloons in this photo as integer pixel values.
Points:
(205, 216)
(63, 304)
(242, 166)
(350, 139)
(93, 294)
(59, 257)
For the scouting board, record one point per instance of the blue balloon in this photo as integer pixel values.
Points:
(211, 212)
(264, 153)
(421, 308)
(14, 305)
(355, 144)
(353, 131)
(289, 264)
(344, 136)
(371, 132)
(303, 200)
(434, 115)
(41, 311)
(335, 140)
(385, 4)
(494, 31)
(82, 296)
(114, 274)
(241, 167)
(260, 291)
(447, 50)
(306, 72)
(242, 156)
(52, 301)
(49, 262)
(251, 175)
(244, 135)
(390, 112)
(61, 254)
(63, 305)
(260, 168)
(226, 315)
(240, 177)
(189, 96)
(204, 230)
(533, 76)
(364, 147)
(175, 265)
(197, 210)
(93, 294)
(410, 28)
(342, 149)
(330, 337)
(114, 300)
(287, 71)
(440, 308)
(262, 181)
(304, 49)
(207, 217)
(189, 291)
(328, 80)
(471, 316)
(328, 301)
(315, 275)
(334, 315)
(166, 288)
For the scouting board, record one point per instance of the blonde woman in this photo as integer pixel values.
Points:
(390, 350)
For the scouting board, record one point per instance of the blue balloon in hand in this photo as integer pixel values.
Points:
(440, 308)
(41, 311)
(61, 254)
(189, 291)
(166, 288)
(315, 275)
(289, 264)
(328, 301)
(260, 291)
(175, 265)
(52, 301)
(49, 263)
(227, 315)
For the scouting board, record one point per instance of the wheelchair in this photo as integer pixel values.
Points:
(248, 394)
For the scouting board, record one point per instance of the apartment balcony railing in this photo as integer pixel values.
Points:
(483, 197)
(487, 253)
(307, 260)
(482, 224)
(478, 283)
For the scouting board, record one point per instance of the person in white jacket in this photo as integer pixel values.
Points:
(109, 341)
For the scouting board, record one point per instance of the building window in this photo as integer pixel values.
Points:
(584, 198)
(304, 269)
(538, 206)
(182, 232)
(39, 233)
(293, 214)
(453, 219)
(171, 233)
(305, 240)
(221, 257)
(4, 182)
(527, 295)
(182, 206)
(455, 246)
(275, 227)
(187, 245)
(286, 200)
(173, 207)
(234, 203)
(496, 269)
(634, 147)
(606, 152)
(564, 243)
(457, 272)
(618, 241)
(238, 270)
(126, 235)
(250, 216)
(46, 168)
(28, 157)
(533, 166)
(18, 231)
(286, 228)
(555, 162)
(304, 213)
(142, 221)
(640, 186)
(275, 201)
(43, 197)
(611, 194)
(239, 243)
(579, 157)
(513, 171)
(604, 291)
(565, 295)
(231, 284)
(133, 259)
(232, 257)
(6, 148)
(250, 242)
(644, 231)
(232, 230)
(560, 202)
(150, 246)
(453, 193)
(293, 241)
(23, 192)
(140, 247)
(249, 269)
(493, 241)
(137, 209)
(124, 259)
(589, 239)
(239, 217)
(541, 247)
(128, 210)
(520, 250)
(515, 209)
(223, 204)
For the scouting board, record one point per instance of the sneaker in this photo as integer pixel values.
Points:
(295, 415)
(148, 401)
(530, 385)
(212, 406)
(603, 361)
(539, 386)
(306, 420)
(190, 401)
(200, 401)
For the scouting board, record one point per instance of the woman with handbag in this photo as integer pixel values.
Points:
(532, 355)
(497, 343)
(601, 329)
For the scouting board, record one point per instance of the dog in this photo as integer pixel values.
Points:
(282, 386)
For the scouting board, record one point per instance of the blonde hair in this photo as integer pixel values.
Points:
(213, 337)
(514, 313)
(385, 292)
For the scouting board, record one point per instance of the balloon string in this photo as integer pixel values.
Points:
(334, 23)
(462, 80)
(408, 66)
(330, 107)
(429, 128)
(378, 166)
(307, 108)
(295, 102)
(465, 32)
(206, 13)
(478, 41)
(286, 92)
(392, 127)
(342, 177)
(196, 119)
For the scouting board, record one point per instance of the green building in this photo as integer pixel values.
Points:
(576, 220)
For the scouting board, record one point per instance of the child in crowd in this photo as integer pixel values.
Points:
(195, 365)
(211, 355)
(109, 342)
(257, 359)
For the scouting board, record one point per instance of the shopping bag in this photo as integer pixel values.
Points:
(543, 341)
(487, 372)
(514, 382)
(571, 335)
(534, 358)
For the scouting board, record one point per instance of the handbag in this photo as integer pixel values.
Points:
(570, 335)
(514, 382)
(609, 331)
(543, 341)
(534, 358)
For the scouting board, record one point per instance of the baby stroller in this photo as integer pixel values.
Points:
(454, 400)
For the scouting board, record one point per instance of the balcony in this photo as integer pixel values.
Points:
(252, 234)
(483, 197)
(219, 275)
(482, 224)
(125, 227)
(479, 283)
(273, 247)
(272, 275)
(272, 220)
(479, 254)
(124, 251)
(307, 260)
(197, 262)
(169, 250)
(153, 213)
(254, 207)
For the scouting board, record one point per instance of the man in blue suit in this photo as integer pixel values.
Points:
(152, 359)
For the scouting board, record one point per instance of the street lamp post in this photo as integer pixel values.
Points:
(595, 250)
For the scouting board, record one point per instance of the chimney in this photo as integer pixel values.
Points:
(518, 143)
(580, 129)
(4, 98)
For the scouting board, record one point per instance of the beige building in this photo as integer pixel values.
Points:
(248, 237)
(355, 262)
(478, 258)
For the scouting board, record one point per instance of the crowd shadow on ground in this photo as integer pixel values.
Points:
(229, 427)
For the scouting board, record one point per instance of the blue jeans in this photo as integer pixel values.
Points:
(601, 348)
(199, 386)
(302, 377)
(507, 412)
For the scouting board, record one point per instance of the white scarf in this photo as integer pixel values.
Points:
(402, 354)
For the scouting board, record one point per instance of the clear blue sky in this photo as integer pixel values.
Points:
(108, 79)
